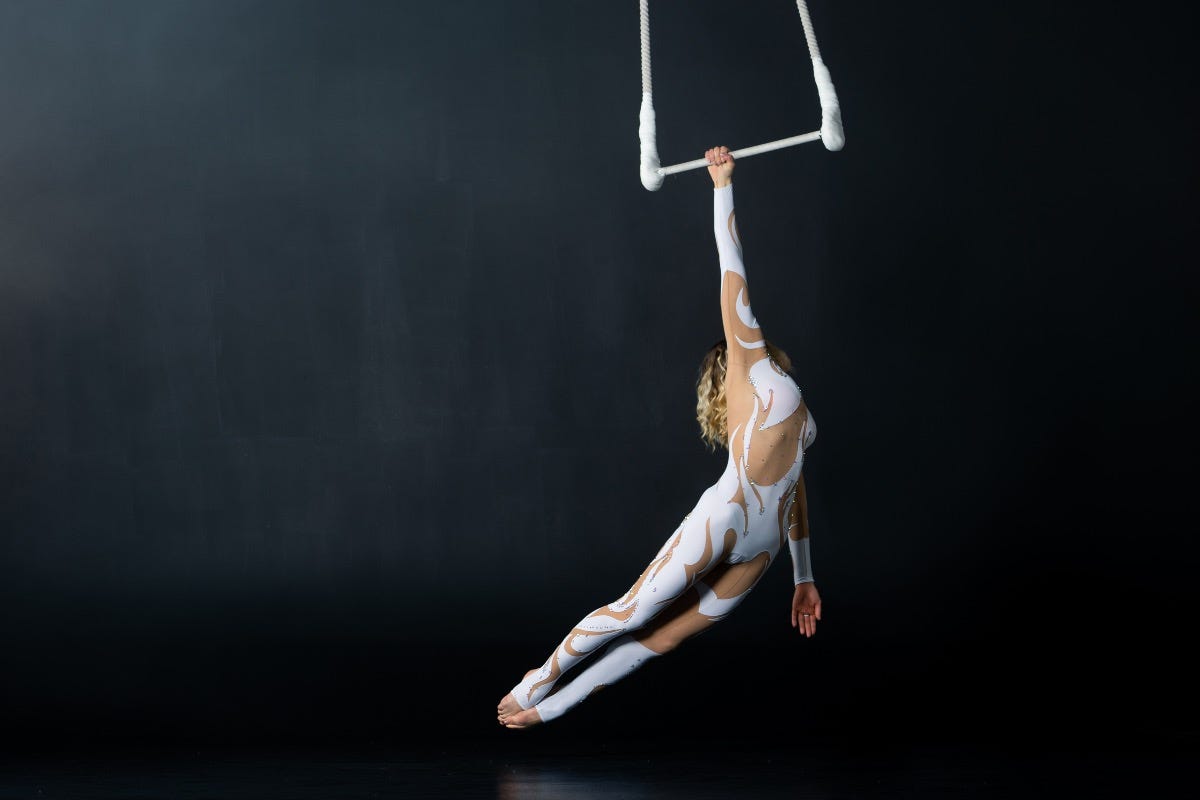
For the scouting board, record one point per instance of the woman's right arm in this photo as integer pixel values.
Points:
(743, 337)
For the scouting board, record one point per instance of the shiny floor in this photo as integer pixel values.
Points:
(894, 771)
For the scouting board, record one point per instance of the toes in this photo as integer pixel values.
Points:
(525, 719)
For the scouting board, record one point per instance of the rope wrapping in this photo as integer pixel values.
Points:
(652, 175)
(832, 135)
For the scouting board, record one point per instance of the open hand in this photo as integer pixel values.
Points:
(806, 608)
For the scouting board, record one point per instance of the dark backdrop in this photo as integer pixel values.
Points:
(346, 364)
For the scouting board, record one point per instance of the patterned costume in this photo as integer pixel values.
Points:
(722, 548)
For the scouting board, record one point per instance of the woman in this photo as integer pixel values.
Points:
(722, 548)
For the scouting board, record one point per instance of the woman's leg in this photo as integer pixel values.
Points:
(707, 602)
(712, 600)
(699, 544)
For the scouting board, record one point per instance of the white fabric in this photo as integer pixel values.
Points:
(801, 560)
(779, 398)
(622, 656)
(831, 114)
(651, 177)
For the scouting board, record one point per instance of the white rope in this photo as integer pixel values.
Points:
(814, 52)
(644, 20)
(652, 176)
(831, 133)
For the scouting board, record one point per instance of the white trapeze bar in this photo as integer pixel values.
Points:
(778, 144)
(830, 134)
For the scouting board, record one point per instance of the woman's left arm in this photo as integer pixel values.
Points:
(806, 601)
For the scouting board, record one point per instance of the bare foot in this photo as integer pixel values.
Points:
(526, 719)
(508, 706)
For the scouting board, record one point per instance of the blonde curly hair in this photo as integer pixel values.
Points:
(711, 408)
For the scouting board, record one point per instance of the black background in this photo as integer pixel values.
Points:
(346, 364)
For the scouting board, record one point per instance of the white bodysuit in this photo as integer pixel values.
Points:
(742, 519)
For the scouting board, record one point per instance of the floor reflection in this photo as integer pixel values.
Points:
(766, 776)
(561, 784)
(526, 774)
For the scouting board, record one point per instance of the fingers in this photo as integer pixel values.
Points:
(805, 618)
(717, 156)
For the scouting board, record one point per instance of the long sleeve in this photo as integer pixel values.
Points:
(743, 336)
(798, 536)
(801, 561)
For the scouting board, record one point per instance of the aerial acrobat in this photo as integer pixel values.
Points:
(747, 403)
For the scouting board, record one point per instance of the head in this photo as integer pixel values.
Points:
(711, 410)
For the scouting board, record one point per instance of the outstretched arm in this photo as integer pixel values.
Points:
(743, 336)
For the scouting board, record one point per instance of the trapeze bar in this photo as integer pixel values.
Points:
(778, 144)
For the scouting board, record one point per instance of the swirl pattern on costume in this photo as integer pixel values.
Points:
(721, 549)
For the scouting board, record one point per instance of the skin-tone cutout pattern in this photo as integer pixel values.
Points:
(720, 550)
